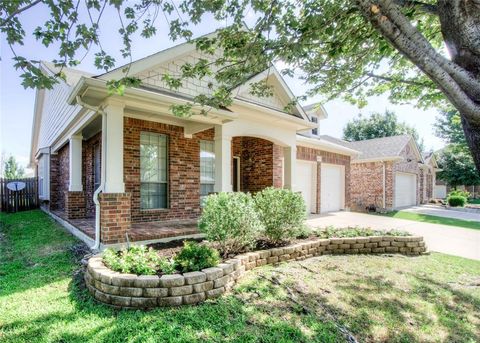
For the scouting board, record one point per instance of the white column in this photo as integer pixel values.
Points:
(223, 160)
(112, 148)
(75, 163)
(290, 158)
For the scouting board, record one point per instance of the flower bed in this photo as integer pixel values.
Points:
(149, 291)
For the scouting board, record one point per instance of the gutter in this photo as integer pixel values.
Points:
(325, 145)
(96, 245)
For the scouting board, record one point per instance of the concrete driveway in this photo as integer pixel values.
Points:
(443, 212)
(442, 238)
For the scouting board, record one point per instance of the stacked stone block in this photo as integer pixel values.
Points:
(132, 291)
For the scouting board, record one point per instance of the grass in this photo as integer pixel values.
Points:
(474, 201)
(426, 218)
(374, 298)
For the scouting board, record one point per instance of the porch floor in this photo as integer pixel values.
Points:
(145, 231)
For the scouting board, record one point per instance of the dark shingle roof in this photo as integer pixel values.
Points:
(376, 147)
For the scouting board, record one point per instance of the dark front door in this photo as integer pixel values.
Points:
(236, 174)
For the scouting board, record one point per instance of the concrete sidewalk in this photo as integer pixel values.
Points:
(442, 238)
(443, 212)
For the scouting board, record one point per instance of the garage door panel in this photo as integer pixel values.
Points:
(306, 183)
(332, 188)
(405, 189)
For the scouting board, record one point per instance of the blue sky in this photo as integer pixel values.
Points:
(17, 103)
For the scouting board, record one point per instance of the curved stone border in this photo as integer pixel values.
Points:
(149, 291)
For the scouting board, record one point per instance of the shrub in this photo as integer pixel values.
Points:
(194, 257)
(230, 220)
(330, 232)
(456, 192)
(137, 260)
(281, 211)
(456, 200)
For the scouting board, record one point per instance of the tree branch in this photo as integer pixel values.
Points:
(18, 11)
(392, 79)
(427, 8)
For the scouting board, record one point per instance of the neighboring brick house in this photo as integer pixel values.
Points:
(112, 165)
(389, 173)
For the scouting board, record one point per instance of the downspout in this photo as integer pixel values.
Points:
(384, 185)
(100, 188)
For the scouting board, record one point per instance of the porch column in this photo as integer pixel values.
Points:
(223, 160)
(290, 158)
(75, 163)
(112, 147)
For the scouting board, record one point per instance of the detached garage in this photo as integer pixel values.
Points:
(323, 174)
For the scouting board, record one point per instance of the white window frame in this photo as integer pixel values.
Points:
(211, 150)
(161, 179)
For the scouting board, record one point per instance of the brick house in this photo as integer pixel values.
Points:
(113, 168)
(389, 173)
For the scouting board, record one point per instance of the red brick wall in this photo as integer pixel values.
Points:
(260, 163)
(311, 154)
(88, 148)
(367, 180)
(59, 178)
(115, 217)
(75, 205)
(366, 185)
(183, 170)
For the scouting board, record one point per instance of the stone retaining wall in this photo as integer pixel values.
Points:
(132, 291)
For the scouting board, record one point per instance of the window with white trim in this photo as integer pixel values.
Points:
(153, 170)
(207, 168)
(315, 130)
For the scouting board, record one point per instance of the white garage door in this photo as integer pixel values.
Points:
(405, 189)
(306, 183)
(440, 192)
(332, 188)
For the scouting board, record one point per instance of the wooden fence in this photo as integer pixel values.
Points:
(25, 199)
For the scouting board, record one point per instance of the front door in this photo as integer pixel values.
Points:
(236, 174)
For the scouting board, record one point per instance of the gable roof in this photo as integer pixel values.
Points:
(378, 148)
(174, 53)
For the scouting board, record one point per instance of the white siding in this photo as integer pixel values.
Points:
(56, 113)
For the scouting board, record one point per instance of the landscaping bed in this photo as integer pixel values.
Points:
(149, 291)
(375, 298)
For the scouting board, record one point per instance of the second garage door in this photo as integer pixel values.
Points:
(405, 189)
(332, 188)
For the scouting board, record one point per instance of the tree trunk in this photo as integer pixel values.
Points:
(460, 23)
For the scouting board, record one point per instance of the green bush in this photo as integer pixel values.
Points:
(460, 193)
(230, 220)
(456, 200)
(194, 257)
(136, 260)
(281, 211)
(347, 232)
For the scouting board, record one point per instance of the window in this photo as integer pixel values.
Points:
(207, 168)
(315, 130)
(41, 175)
(153, 171)
(97, 160)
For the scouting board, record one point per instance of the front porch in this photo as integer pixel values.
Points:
(157, 231)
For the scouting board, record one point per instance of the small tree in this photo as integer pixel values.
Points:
(457, 166)
(12, 170)
(378, 125)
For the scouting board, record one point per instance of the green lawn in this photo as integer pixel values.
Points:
(426, 218)
(474, 201)
(325, 299)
